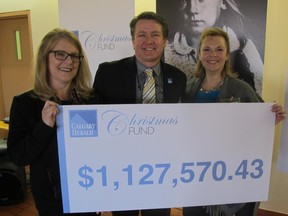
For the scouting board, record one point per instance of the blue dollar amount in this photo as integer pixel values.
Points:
(148, 174)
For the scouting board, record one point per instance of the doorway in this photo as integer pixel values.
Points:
(16, 58)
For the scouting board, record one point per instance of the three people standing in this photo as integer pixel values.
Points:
(63, 77)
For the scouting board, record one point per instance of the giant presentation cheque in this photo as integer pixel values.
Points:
(120, 157)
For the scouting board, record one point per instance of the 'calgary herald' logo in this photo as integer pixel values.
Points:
(83, 123)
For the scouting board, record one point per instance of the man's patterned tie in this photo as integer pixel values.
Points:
(149, 95)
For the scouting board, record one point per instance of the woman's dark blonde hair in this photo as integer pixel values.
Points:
(82, 81)
(211, 32)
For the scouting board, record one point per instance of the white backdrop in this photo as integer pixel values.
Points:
(102, 27)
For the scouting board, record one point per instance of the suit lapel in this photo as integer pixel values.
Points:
(168, 82)
(130, 78)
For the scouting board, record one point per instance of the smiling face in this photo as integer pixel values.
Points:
(62, 72)
(148, 42)
(200, 14)
(213, 54)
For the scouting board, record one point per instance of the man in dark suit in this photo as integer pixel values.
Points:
(122, 81)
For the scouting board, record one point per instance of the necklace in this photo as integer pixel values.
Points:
(215, 88)
(75, 99)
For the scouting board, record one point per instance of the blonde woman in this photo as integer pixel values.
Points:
(62, 76)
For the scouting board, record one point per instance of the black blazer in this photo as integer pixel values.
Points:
(32, 142)
(115, 82)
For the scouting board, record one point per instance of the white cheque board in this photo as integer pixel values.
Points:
(120, 157)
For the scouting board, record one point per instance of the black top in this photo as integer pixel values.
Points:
(32, 142)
